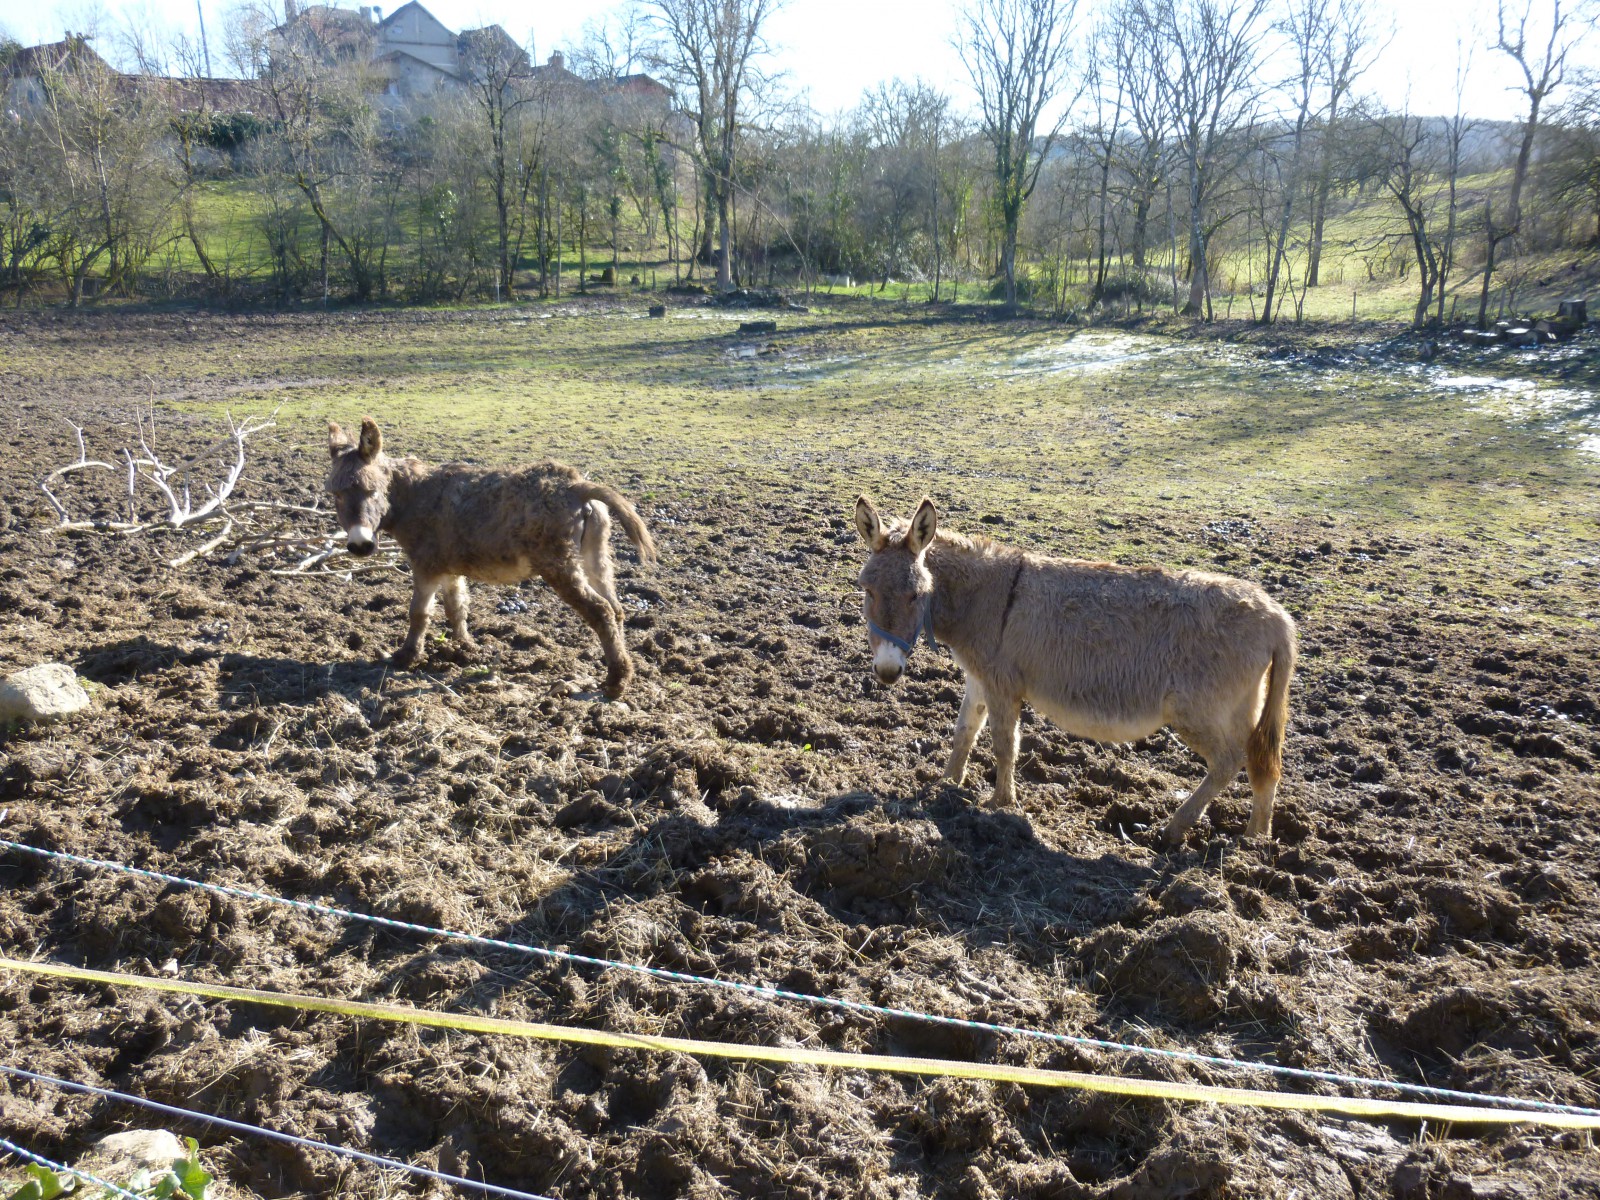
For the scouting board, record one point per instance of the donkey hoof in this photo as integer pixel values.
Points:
(617, 680)
(402, 658)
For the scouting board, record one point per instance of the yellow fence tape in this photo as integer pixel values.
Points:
(1155, 1089)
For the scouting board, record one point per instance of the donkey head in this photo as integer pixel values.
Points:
(898, 588)
(359, 483)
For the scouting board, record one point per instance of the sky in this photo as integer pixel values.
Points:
(835, 50)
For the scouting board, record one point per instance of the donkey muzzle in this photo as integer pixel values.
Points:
(888, 663)
(892, 651)
(361, 541)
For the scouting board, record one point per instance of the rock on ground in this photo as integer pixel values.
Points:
(140, 1149)
(47, 692)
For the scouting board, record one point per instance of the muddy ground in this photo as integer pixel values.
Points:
(761, 809)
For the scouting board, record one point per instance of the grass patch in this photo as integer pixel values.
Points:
(1083, 442)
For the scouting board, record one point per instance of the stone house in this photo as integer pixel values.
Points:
(413, 53)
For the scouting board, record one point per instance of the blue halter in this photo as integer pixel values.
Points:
(924, 628)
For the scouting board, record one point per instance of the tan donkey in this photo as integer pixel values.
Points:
(1106, 652)
(457, 522)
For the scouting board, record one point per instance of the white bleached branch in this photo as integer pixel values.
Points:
(298, 536)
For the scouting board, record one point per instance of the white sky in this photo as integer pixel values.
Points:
(836, 49)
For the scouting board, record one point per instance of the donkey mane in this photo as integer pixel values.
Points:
(986, 548)
(895, 534)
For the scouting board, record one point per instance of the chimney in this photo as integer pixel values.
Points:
(558, 61)
(289, 12)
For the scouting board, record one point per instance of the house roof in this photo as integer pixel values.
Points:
(329, 14)
(395, 16)
(335, 28)
(390, 56)
(205, 95)
(642, 85)
(185, 95)
(70, 52)
(491, 33)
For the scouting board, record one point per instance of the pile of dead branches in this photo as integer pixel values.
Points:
(196, 496)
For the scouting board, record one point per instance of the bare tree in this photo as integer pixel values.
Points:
(1351, 49)
(30, 194)
(1543, 71)
(1308, 27)
(710, 48)
(613, 45)
(452, 209)
(1456, 131)
(1576, 176)
(318, 84)
(174, 69)
(1108, 93)
(1017, 55)
(1410, 157)
(903, 125)
(1144, 154)
(499, 78)
(1210, 79)
(104, 143)
(949, 189)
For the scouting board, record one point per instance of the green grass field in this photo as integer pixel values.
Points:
(1066, 433)
(1361, 281)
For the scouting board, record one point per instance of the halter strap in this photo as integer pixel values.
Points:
(924, 628)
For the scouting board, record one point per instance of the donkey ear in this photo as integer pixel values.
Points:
(924, 524)
(371, 444)
(338, 440)
(868, 524)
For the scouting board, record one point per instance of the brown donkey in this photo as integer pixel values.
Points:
(457, 522)
(1107, 652)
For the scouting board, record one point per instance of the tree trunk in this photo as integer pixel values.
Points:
(1099, 290)
(1488, 265)
(708, 234)
(1199, 280)
(1319, 205)
(724, 239)
(1008, 265)
(544, 231)
(1141, 229)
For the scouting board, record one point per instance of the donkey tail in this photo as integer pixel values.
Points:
(1264, 751)
(626, 514)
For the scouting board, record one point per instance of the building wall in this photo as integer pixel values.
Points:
(408, 77)
(421, 36)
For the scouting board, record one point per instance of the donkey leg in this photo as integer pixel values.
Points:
(598, 564)
(454, 595)
(1222, 765)
(974, 712)
(569, 583)
(423, 588)
(1004, 715)
(1264, 787)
